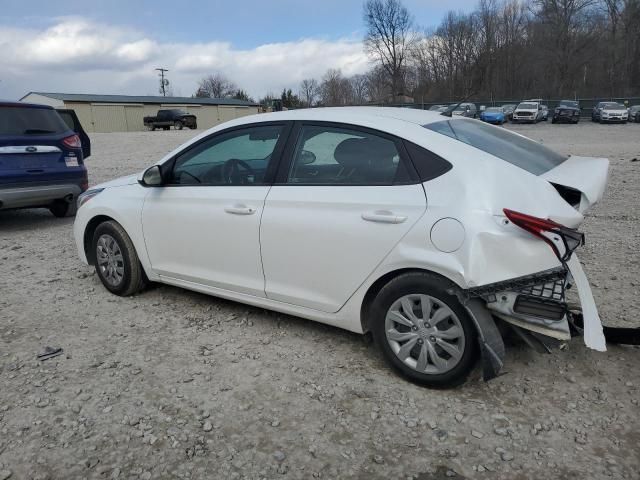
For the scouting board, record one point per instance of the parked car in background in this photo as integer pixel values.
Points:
(41, 158)
(612, 112)
(634, 113)
(175, 118)
(437, 108)
(567, 111)
(465, 110)
(493, 115)
(528, 112)
(508, 110)
(256, 209)
(595, 112)
(545, 113)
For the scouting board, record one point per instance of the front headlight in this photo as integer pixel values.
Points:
(88, 195)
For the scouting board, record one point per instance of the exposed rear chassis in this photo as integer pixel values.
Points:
(546, 289)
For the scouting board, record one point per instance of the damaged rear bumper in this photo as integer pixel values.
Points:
(534, 306)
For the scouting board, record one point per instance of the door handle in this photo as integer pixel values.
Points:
(240, 210)
(383, 216)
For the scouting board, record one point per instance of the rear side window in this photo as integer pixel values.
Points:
(428, 164)
(30, 121)
(510, 147)
(328, 155)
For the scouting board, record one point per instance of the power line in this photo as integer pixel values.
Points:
(163, 81)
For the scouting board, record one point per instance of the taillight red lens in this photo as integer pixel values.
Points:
(72, 142)
(545, 229)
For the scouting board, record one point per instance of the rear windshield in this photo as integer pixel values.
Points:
(30, 121)
(510, 147)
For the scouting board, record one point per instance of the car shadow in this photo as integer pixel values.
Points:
(30, 219)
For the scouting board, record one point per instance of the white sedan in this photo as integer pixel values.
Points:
(432, 233)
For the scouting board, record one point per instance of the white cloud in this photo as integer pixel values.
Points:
(79, 56)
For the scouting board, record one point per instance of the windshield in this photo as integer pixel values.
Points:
(614, 106)
(494, 110)
(528, 106)
(177, 111)
(510, 147)
(568, 103)
(30, 121)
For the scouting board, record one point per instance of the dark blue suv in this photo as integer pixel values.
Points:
(42, 153)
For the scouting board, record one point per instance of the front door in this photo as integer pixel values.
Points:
(338, 209)
(202, 226)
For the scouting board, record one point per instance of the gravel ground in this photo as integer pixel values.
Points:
(174, 384)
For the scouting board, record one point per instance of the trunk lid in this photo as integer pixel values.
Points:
(580, 180)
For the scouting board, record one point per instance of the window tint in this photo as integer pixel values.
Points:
(240, 157)
(328, 155)
(428, 164)
(510, 147)
(30, 121)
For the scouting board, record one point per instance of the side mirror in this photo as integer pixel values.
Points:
(152, 177)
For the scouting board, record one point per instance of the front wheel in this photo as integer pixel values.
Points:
(423, 331)
(178, 125)
(116, 260)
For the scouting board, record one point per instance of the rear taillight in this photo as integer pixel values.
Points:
(72, 142)
(553, 233)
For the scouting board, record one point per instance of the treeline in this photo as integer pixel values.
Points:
(504, 49)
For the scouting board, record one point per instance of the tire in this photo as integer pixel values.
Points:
(62, 208)
(121, 272)
(387, 308)
(178, 125)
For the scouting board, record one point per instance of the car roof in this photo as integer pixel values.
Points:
(8, 103)
(353, 115)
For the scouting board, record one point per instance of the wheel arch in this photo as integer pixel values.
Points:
(376, 286)
(88, 235)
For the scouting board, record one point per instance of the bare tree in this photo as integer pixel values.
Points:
(359, 89)
(216, 85)
(309, 91)
(389, 38)
(335, 89)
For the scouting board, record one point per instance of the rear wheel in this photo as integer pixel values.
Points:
(178, 125)
(116, 260)
(423, 331)
(62, 208)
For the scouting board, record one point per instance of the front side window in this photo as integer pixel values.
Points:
(340, 156)
(508, 146)
(240, 157)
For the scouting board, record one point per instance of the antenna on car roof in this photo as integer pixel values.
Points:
(449, 111)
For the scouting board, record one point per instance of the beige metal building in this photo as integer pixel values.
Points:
(124, 113)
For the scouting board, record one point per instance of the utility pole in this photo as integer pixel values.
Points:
(163, 81)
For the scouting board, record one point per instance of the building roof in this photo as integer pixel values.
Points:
(89, 97)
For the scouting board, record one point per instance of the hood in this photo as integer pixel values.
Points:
(588, 175)
(119, 182)
(526, 110)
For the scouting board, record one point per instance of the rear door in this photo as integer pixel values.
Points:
(32, 148)
(344, 198)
